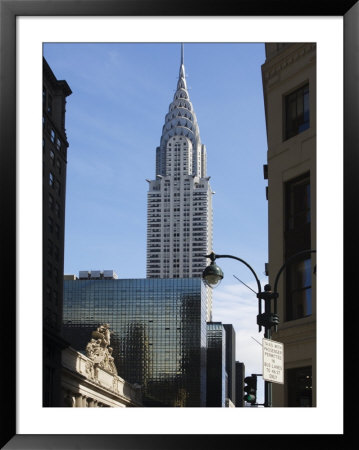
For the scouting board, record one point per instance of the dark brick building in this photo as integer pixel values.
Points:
(54, 147)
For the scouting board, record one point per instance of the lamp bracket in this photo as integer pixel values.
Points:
(267, 295)
(267, 320)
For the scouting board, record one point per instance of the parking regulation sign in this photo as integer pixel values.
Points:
(273, 361)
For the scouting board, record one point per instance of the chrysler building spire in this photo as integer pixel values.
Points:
(181, 121)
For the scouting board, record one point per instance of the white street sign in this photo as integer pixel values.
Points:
(273, 361)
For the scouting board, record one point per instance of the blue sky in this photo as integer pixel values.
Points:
(114, 118)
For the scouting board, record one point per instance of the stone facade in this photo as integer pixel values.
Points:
(85, 384)
(290, 70)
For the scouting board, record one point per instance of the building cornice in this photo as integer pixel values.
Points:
(56, 84)
(284, 59)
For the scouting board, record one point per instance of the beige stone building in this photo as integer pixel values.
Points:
(289, 88)
(85, 385)
(92, 380)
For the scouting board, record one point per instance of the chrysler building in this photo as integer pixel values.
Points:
(179, 214)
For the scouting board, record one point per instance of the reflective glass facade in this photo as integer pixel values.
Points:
(159, 332)
(217, 380)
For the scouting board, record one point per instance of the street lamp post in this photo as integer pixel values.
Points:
(212, 276)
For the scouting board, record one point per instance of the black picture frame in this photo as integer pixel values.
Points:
(9, 10)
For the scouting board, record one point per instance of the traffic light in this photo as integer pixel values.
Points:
(251, 389)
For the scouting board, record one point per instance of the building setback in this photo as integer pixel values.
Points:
(289, 87)
(54, 147)
(179, 211)
(159, 332)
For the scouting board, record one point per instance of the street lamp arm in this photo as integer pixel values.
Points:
(242, 261)
(289, 260)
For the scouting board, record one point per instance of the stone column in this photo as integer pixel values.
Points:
(78, 401)
(69, 399)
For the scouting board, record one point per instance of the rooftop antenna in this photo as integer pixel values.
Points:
(182, 70)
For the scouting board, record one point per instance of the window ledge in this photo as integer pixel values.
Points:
(297, 322)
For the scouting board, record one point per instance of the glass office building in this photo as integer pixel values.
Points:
(217, 378)
(159, 332)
